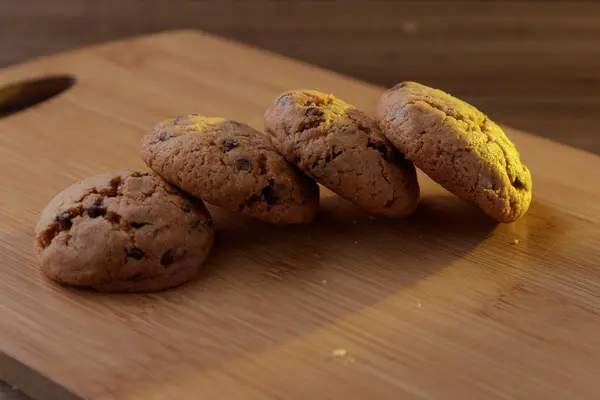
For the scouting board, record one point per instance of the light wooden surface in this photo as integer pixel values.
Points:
(439, 305)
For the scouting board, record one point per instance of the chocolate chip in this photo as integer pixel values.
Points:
(314, 112)
(272, 192)
(518, 184)
(252, 199)
(229, 144)
(139, 174)
(96, 209)
(138, 225)
(306, 125)
(164, 135)
(284, 99)
(381, 149)
(134, 252)
(179, 120)
(186, 206)
(171, 255)
(242, 163)
(63, 219)
(361, 120)
(389, 203)
(113, 217)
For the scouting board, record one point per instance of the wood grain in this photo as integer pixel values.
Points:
(533, 64)
(440, 304)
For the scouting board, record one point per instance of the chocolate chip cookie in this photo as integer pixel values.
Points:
(458, 146)
(123, 231)
(230, 165)
(344, 150)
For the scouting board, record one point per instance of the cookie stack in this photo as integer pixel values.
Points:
(127, 231)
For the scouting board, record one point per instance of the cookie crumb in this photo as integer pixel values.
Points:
(356, 242)
(324, 281)
(340, 353)
(230, 144)
(410, 27)
(515, 241)
(418, 304)
(372, 217)
(354, 221)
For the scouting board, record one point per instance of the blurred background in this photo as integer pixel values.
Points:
(533, 65)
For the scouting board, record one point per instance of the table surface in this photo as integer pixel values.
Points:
(439, 303)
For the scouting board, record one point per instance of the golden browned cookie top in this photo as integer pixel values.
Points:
(230, 165)
(458, 146)
(123, 231)
(344, 150)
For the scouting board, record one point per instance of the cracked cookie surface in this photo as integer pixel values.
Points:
(344, 150)
(230, 165)
(458, 146)
(123, 231)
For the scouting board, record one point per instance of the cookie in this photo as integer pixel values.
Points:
(458, 146)
(123, 231)
(343, 149)
(230, 165)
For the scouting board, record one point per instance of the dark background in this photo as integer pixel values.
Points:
(534, 65)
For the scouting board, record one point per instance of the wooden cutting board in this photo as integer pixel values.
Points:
(440, 305)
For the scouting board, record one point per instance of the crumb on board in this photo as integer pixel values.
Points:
(354, 221)
(324, 281)
(515, 241)
(419, 304)
(410, 27)
(371, 217)
(356, 242)
(340, 353)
